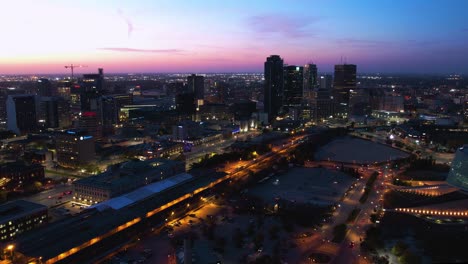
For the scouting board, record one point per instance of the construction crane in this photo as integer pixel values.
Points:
(72, 66)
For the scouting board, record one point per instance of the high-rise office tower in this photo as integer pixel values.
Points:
(310, 85)
(293, 86)
(91, 87)
(4, 93)
(345, 79)
(54, 112)
(325, 82)
(21, 113)
(273, 86)
(64, 88)
(44, 87)
(324, 98)
(110, 106)
(196, 84)
(310, 77)
(185, 104)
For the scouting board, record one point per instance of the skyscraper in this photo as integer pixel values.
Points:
(21, 113)
(293, 86)
(91, 87)
(273, 87)
(310, 77)
(54, 112)
(196, 84)
(326, 82)
(44, 87)
(310, 85)
(345, 79)
(324, 98)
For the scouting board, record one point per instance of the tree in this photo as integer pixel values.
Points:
(250, 229)
(238, 238)
(3, 196)
(409, 258)
(373, 218)
(339, 232)
(220, 244)
(274, 231)
(399, 248)
(258, 240)
(33, 187)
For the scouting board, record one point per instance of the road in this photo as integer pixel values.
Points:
(357, 230)
(200, 151)
(235, 170)
(348, 251)
(51, 197)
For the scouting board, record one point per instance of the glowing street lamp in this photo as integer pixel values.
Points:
(10, 248)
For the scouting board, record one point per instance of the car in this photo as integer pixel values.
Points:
(351, 245)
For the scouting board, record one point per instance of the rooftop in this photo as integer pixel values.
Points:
(128, 172)
(17, 209)
(143, 192)
(56, 238)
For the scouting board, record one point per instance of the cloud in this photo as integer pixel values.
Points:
(424, 43)
(291, 27)
(128, 21)
(363, 43)
(143, 50)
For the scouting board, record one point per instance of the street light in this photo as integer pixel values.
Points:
(10, 248)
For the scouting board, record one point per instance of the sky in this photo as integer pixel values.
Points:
(143, 36)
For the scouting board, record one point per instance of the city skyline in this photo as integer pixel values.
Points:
(175, 36)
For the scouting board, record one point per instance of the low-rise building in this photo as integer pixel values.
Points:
(389, 116)
(20, 173)
(122, 179)
(20, 216)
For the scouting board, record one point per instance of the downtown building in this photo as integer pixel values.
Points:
(22, 174)
(310, 86)
(122, 179)
(293, 91)
(458, 175)
(19, 216)
(22, 113)
(273, 86)
(54, 112)
(196, 85)
(74, 148)
(344, 81)
(324, 99)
